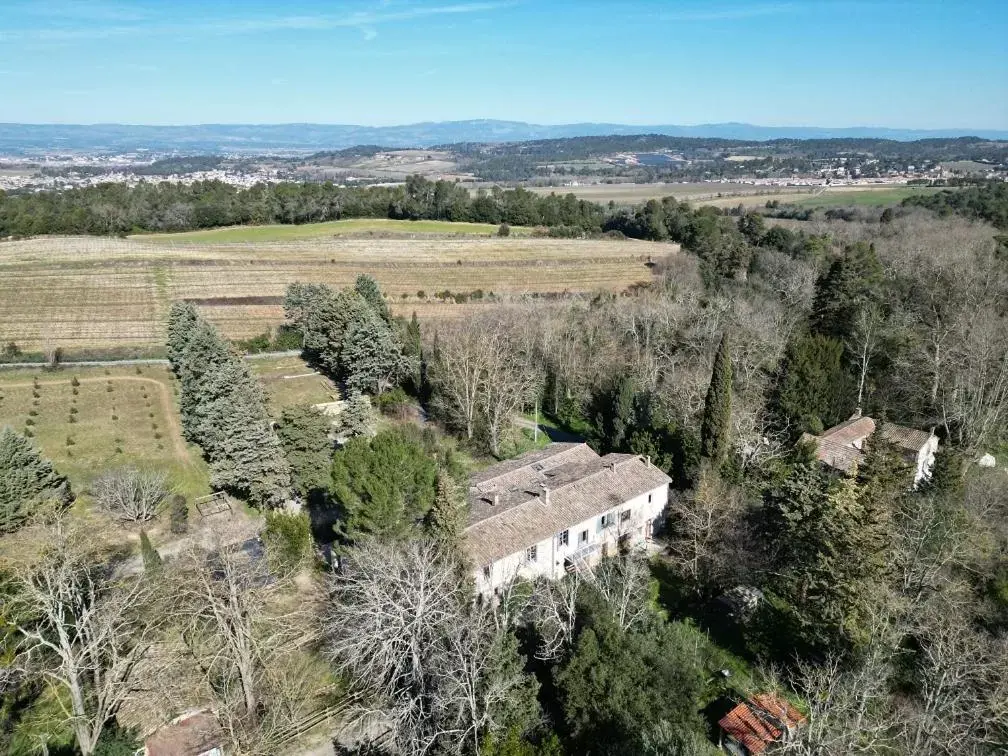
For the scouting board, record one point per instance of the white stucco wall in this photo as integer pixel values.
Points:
(551, 555)
(925, 459)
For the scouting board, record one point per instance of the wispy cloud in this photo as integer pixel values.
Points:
(366, 21)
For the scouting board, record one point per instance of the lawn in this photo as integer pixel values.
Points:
(290, 380)
(355, 226)
(114, 417)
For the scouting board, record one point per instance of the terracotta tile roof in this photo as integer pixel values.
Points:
(855, 429)
(833, 454)
(835, 447)
(909, 439)
(580, 485)
(779, 707)
(748, 729)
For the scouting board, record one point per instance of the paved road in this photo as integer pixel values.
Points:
(153, 361)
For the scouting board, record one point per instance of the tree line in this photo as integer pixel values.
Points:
(119, 209)
(223, 409)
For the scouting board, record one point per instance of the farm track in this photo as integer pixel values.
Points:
(167, 405)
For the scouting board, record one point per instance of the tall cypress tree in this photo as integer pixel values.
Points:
(717, 406)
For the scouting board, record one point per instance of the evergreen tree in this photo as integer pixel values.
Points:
(946, 477)
(152, 561)
(251, 461)
(812, 390)
(368, 288)
(28, 482)
(829, 557)
(358, 416)
(852, 283)
(383, 486)
(717, 406)
(370, 359)
(182, 320)
(445, 519)
(304, 434)
(178, 514)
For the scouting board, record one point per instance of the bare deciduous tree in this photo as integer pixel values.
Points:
(402, 625)
(234, 630)
(83, 631)
(703, 523)
(460, 373)
(623, 582)
(553, 609)
(130, 494)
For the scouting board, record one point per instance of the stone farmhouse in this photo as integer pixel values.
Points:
(844, 446)
(559, 509)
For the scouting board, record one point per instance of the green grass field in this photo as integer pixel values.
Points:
(110, 419)
(357, 226)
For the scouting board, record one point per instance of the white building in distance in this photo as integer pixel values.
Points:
(558, 509)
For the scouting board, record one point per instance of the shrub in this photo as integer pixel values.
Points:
(74, 410)
(504, 230)
(394, 403)
(152, 561)
(70, 441)
(178, 514)
(29, 421)
(288, 540)
(75, 390)
(130, 494)
(32, 412)
(74, 382)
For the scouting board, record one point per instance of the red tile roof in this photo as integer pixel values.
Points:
(780, 708)
(748, 729)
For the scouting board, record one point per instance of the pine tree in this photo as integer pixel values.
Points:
(368, 288)
(28, 482)
(717, 406)
(357, 417)
(304, 434)
(178, 514)
(152, 561)
(946, 477)
(444, 521)
(371, 360)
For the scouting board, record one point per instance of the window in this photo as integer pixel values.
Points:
(583, 537)
(649, 498)
(531, 553)
(624, 516)
(486, 572)
(606, 520)
(563, 538)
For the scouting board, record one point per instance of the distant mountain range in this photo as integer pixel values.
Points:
(19, 138)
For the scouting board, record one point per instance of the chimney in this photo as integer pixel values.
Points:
(545, 494)
(496, 498)
(647, 460)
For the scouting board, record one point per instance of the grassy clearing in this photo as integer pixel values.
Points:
(291, 380)
(120, 417)
(105, 292)
(277, 232)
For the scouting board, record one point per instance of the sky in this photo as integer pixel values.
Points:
(929, 64)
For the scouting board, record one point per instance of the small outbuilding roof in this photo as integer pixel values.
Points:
(843, 445)
(749, 730)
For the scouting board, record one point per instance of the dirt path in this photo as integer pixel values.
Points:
(181, 450)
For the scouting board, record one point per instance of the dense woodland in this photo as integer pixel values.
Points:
(884, 610)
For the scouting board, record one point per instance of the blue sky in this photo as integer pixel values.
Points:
(921, 64)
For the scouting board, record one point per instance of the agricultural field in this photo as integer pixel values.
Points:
(111, 417)
(100, 292)
(351, 227)
(841, 196)
(632, 194)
